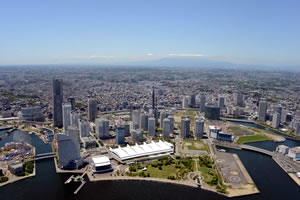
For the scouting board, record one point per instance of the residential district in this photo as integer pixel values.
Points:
(155, 124)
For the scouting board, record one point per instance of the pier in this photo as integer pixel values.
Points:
(78, 178)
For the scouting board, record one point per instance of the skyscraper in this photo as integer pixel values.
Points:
(143, 121)
(198, 127)
(57, 102)
(66, 116)
(298, 128)
(193, 101)
(136, 118)
(276, 120)
(68, 152)
(71, 100)
(202, 103)
(166, 128)
(185, 102)
(153, 99)
(171, 118)
(73, 132)
(262, 111)
(92, 109)
(185, 127)
(120, 134)
(151, 126)
(221, 102)
(239, 100)
(163, 115)
(84, 128)
(75, 117)
(102, 128)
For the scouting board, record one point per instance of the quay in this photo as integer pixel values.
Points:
(288, 165)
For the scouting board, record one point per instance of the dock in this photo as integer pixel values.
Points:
(78, 178)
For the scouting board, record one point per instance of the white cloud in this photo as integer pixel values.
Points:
(186, 55)
(149, 54)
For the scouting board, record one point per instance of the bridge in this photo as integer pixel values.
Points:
(236, 120)
(244, 146)
(42, 156)
(259, 150)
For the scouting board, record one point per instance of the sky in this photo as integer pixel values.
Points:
(119, 31)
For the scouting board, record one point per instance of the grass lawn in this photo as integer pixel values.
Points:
(207, 173)
(252, 138)
(237, 130)
(195, 145)
(166, 171)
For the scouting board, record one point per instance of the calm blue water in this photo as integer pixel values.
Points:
(270, 179)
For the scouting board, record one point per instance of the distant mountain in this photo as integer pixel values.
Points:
(185, 62)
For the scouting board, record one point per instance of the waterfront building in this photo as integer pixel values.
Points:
(185, 127)
(120, 134)
(202, 103)
(284, 114)
(298, 128)
(262, 111)
(224, 136)
(213, 132)
(198, 127)
(66, 116)
(282, 149)
(137, 135)
(151, 126)
(73, 132)
(294, 153)
(166, 128)
(212, 112)
(31, 114)
(144, 150)
(92, 110)
(102, 128)
(276, 120)
(101, 164)
(15, 168)
(74, 119)
(84, 128)
(57, 102)
(68, 152)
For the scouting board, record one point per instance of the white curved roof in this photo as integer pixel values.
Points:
(130, 152)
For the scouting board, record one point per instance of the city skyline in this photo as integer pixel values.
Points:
(133, 32)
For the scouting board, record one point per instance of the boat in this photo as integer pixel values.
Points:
(298, 174)
(222, 150)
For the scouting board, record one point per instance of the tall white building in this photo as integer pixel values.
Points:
(186, 102)
(74, 119)
(136, 118)
(66, 109)
(143, 121)
(185, 127)
(262, 111)
(171, 118)
(276, 120)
